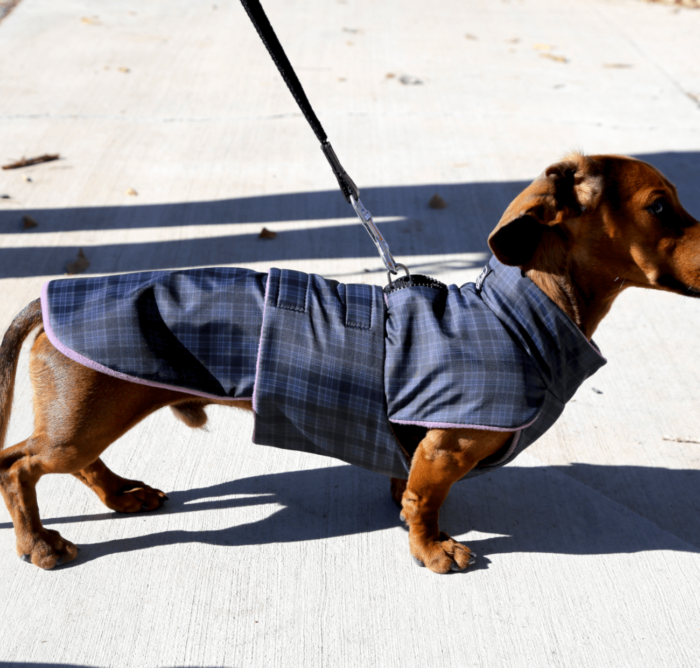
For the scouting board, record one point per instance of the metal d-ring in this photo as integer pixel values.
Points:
(398, 265)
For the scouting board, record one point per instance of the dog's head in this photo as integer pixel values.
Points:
(617, 217)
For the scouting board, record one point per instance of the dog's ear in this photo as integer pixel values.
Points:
(562, 192)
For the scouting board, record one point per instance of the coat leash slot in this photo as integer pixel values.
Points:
(347, 186)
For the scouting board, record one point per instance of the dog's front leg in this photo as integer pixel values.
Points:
(442, 458)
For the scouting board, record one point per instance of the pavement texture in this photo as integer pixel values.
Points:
(589, 543)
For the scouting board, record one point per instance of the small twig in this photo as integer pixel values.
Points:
(676, 439)
(26, 162)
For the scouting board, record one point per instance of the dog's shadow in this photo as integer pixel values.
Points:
(578, 509)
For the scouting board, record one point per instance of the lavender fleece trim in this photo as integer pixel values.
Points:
(446, 425)
(595, 350)
(84, 361)
(450, 425)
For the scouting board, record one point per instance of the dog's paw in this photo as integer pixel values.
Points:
(443, 555)
(135, 498)
(47, 549)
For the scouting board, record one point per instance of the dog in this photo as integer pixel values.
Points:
(584, 230)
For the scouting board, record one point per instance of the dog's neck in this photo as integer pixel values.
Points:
(570, 276)
(585, 304)
(584, 294)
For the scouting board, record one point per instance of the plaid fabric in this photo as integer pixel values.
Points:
(320, 384)
(196, 330)
(560, 353)
(336, 364)
(563, 356)
(450, 361)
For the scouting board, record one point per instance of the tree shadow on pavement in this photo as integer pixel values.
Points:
(413, 229)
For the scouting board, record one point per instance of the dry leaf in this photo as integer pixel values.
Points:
(267, 234)
(542, 47)
(79, 265)
(436, 202)
(131, 191)
(551, 56)
(28, 222)
(408, 80)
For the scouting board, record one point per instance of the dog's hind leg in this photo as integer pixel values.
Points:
(117, 493)
(441, 459)
(21, 467)
(78, 414)
(58, 451)
(132, 496)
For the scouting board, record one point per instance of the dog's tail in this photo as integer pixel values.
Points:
(18, 331)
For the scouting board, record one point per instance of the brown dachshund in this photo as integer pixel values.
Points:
(582, 231)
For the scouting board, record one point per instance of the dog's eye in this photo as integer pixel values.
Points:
(657, 207)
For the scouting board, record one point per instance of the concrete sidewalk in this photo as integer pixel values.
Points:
(589, 545)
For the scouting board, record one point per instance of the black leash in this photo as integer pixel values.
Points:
(350, 191)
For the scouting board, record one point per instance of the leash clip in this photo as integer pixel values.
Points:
(382, 246)
(399, 266)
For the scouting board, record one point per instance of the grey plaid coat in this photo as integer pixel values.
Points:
(336, 369)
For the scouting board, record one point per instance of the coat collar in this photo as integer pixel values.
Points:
(563, 355)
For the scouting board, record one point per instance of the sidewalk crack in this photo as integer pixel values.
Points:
(694, 98)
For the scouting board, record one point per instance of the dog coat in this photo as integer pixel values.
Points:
(335, 369)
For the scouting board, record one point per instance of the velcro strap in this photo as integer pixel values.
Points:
(292, 289)
(358, 306)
